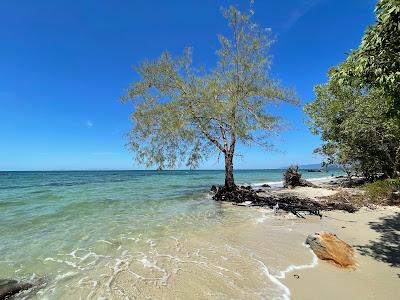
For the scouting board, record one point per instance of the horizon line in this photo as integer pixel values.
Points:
(118, 170)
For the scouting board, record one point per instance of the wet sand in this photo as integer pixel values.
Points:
(375, 235)
(236, 253)
(244, 257)
(259, 259)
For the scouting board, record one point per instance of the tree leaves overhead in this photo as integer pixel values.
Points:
(376, 62)
(355, 128)
(357, 112)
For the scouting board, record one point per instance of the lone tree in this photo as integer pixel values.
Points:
(186, 114)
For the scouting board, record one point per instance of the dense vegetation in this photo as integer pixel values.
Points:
(185, 114)
(383, 191)
(357, 112)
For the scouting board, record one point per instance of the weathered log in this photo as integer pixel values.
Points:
(288, 203)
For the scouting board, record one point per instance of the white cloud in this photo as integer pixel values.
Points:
(299, 12)
(89, 123)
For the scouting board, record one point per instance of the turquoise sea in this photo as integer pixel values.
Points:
(136, 234)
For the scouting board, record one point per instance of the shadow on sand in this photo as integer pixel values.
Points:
(387, 248)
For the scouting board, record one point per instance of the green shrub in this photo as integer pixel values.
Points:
(382, 189)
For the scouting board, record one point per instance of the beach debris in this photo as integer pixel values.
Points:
(245, 203)
(296, 276)
(275, 208)
(395, 198)
(266, 185)
(214, 188)
(353, 198)
(327, 246)
(286, 202)
(238, 194)
(10, 287)
(292, 178)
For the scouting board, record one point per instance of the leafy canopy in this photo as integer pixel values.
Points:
(357, 112)
(186, 114)
(376, 62)
(355, 128)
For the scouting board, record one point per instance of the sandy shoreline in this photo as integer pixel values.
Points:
(221, 251)
(375, 236)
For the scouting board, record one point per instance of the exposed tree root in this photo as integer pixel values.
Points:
(292, 178)
(288, 203)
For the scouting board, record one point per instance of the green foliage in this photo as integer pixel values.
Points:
(356, 110)
(356, 129)
(185, 114)
(376, 62)
(382, 189)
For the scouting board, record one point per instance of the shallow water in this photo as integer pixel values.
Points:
(144, 234)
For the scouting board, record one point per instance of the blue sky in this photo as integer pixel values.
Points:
(64, 65)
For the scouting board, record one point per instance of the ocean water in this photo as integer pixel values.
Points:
(144, 235)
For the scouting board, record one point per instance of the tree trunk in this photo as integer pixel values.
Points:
(229, 181)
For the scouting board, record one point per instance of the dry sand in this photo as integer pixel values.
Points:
(308, 192)
(375, 235)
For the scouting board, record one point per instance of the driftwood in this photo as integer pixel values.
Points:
(288, 203)
(292, 178)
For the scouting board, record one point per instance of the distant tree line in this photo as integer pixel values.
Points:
(357, 112)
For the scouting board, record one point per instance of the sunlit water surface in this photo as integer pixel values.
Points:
(144, 235)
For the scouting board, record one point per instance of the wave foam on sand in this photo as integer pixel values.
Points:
(282, 274)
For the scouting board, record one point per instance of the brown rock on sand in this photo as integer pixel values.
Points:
(327, 246)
